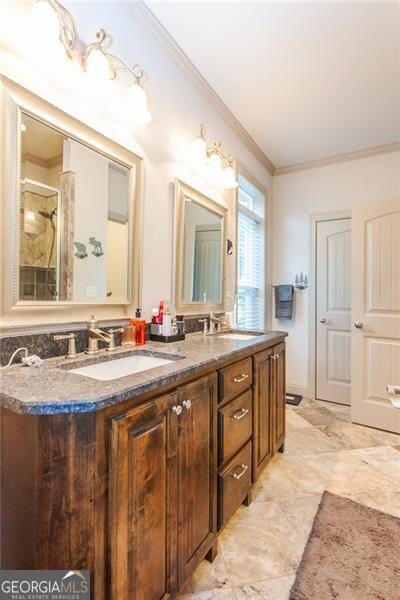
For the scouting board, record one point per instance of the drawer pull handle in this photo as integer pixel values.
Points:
(239, 414)
(241, 378)
(242, 472)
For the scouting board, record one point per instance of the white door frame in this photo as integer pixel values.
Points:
(314, 220)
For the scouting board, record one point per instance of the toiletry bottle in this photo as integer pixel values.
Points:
(128, 337)
(167, 322)
(140, 325)
(180, 323)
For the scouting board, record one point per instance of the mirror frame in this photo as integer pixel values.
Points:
(15, 100)
(182, 191)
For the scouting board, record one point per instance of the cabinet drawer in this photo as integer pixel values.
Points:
(234, 380)
(235, 425)
(234, 484)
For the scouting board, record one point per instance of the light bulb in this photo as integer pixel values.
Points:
(215, 164)
(45, 31)
(199, 151)
(137, 104)
(229, 178)
(97, 65)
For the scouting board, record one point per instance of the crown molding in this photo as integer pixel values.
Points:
(338, 158)
(149, 21)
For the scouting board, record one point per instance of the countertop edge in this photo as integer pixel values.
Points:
(89, 406)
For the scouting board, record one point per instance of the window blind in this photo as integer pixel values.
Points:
(250, 301)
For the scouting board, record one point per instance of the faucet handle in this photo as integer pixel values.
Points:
(116, 330)
(205, 325)
(111, 344)
(71, 337)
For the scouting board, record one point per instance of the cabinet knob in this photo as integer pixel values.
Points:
(187, 404)
(358, 324)
(322, 320)
(177, 409)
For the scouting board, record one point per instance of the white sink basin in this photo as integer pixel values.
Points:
(237, 336)
(120, 367)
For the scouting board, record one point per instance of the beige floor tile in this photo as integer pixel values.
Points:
(301, 513)
(216, 594)
(287, 478)
(295, 421)
(346, 471)
(272, 589)
(253, 547)
(317, 415)
(208, 576)
(310, 440)
(351, 436)
(384, 459)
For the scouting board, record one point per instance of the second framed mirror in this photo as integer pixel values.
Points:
(199, 251)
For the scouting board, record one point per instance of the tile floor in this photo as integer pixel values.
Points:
(261, 547)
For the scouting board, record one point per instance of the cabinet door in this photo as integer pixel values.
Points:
(142, 502)
(279, 409)
(197, 473)
(262, 415)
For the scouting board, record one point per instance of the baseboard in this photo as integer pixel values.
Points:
(292, 388)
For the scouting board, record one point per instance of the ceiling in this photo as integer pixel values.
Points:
(307, 80)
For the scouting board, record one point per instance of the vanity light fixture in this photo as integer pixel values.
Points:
(50, 19)
(212, 160)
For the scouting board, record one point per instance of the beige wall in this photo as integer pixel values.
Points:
(296, 197)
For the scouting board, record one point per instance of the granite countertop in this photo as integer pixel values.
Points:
(53, 389)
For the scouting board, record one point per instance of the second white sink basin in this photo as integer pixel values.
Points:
(120, 367)
(237, 336)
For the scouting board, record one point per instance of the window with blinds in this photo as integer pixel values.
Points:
(251, 256)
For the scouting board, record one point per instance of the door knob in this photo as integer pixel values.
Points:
(358, 324)
(322, 320)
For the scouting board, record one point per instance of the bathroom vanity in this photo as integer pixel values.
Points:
(133, 477)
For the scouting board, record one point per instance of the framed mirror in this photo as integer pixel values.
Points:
(199, 269)
(74, 206)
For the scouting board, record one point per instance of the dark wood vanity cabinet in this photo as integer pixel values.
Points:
(136, 492)
(162, 496)
(269, 406)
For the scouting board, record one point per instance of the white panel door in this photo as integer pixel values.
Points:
(333, 310)
(376, 313)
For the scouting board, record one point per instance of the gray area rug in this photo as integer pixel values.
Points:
(353, 553)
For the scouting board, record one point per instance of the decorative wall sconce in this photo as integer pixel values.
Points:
(212, 160)
(50, 19)
(301, 281)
